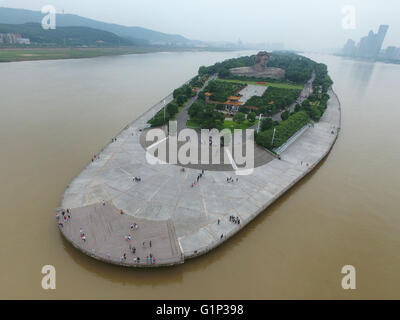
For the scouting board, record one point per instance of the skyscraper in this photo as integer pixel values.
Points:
(369, 46)
(380, 37)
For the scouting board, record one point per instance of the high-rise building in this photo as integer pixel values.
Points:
(380, 37)
(369, 46)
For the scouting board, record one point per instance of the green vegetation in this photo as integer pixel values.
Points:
(205, 116)
(220, 91)
(33, 54)
(267, 123)
(322, 80)
(311, 109)
(273, 100)
(141, 36)
(171, 110)
(239, 117)
(285, 115)
(251, 117)
(283, 131)
(222, 68)
(192, 124)
(317, 102)
(181, 97)
(229, 124)
(65, 36)
(278, 84)
(298, 69)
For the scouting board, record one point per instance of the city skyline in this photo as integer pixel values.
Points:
(324, 28)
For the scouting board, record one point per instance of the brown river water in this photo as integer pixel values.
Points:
(54, 115)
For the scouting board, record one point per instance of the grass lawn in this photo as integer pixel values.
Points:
(284, 85)
(230, 124)
(192, 124)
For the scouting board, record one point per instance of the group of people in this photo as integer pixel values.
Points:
(198, 178)
(151, 259)
(134, 226)
(82, 234)
(96, 157)
(234, 219)
(63, 218)
(230, 179)
(127, 237)
(132, 249)
(137, 179)
(122, 258)
(114, 140)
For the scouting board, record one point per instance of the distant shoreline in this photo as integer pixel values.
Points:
(367, 59)
(38, 54)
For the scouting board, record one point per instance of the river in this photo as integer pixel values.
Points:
(54, 115)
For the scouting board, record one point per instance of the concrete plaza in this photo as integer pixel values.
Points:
(182, 220)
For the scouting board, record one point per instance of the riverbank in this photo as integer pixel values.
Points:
(36, 54)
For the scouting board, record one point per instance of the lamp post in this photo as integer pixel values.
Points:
(273, 137)
(259, 122)
(164, 110)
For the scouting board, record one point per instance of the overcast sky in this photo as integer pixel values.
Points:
(304, 24)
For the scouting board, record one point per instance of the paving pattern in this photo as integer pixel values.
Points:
(187, 220)
(250, 91)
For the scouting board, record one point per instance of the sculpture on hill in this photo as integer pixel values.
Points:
(260, 69)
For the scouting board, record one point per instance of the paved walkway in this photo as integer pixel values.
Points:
(183, 116)
(197, 218)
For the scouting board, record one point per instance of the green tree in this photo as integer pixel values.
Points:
(172, 108)
(251, 117)
(203, 71)
(180, 100)
(285, 115)
(266, 124)
(202, 96)
(195, 109)
(224, 73)
(239, 117)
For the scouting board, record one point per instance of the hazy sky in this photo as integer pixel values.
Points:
(305, 24)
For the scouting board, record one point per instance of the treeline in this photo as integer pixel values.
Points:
(297, 68)
(317, 102)
(181, 96)
(206, 116)
(314, 106)
(273, 100)
(220, 90)
(311, 109)
(222, 68)
(322, 80)
(65, 36)
(170, 112)
(283, 131)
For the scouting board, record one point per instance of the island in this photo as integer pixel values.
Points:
(137, 204)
